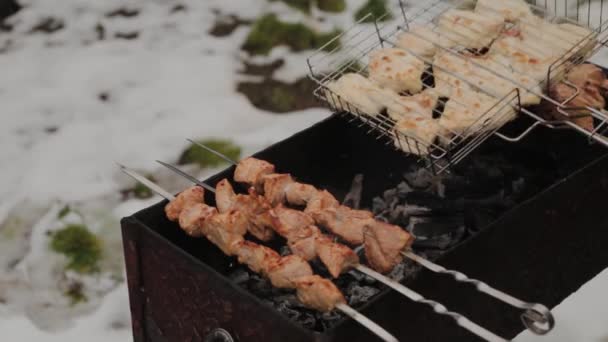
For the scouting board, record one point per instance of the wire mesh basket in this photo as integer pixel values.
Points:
(481, 71)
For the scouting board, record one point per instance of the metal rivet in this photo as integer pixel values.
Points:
(219, 335)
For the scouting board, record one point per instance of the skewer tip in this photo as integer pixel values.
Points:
(217, 153)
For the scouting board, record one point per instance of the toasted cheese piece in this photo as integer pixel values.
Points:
(416, 134)
(510, 10)
(554, 39)
(491, 73)
(420, 40)
(496, 73)
(468, 29)
(524, 56)
(353, 92)
(396, 69)
(469, 112)
(420, 104)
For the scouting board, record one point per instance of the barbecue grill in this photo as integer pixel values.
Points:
(451, 147)
(183, 288)
(501, 217)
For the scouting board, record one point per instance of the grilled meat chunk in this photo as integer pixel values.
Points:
(288, 222)
(258, 258)
(589, 75)
(335, 256)
(592, 85)
(224, 196)
(383, 245)
(588, 97)
(194, 194)
(222, 238)
(225, 230)
(287, 270)
(303, 242)
(193, 216)
(275, 186)
(318, 293)
(322, 199)
(344, 222)
(300, 194)
(251, 171)
(253, 206)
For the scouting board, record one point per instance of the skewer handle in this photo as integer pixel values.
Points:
(366, 322)
(437, 307)
(537, 317)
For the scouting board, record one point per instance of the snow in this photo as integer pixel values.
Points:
(59, 142)
(581, 317)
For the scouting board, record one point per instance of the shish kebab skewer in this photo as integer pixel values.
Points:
(536, 317)
(226, 232)
(437, 307)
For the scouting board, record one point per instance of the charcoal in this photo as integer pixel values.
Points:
(398, 273)
(403, 189)
(353, 197)
(328, 319)
(402, 213)
(360, 294)
(378, 205)
(518, 186)
(287, 309)
(288, 299)
(419, 179)
(260, 286)
(407, 269)
(239, 277)
(356, 275)
(390, 195)
(308, 319)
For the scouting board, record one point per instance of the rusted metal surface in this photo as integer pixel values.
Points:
(543, 250)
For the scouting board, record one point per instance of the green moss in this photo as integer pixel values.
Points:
(282, 99)
(324, 38)
(80, 246)
(194, 154)
(377, 8)
(63, 212)
(75, 294)
(141, 191)
(268, 32)
(334, 6)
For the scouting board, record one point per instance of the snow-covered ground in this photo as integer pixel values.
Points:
(59, 139)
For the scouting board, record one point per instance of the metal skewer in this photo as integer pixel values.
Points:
(344, 308)
(409, 293)
(537, 318)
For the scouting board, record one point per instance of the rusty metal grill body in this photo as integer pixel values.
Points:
(544, 249)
